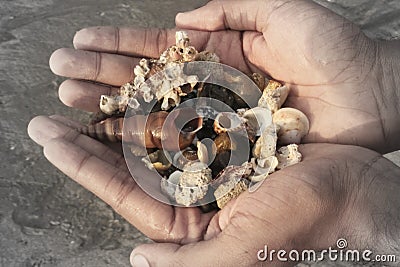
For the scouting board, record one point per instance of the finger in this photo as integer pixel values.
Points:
(220, 15)
(250, 15)
(116, 187)
(99, 67)
(42, 129)
(84, 95)
(221, 251)
(132, 41)
(115, 147)
(67, 122)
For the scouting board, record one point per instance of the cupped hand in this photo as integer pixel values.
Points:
(333, 70)
(336, 191)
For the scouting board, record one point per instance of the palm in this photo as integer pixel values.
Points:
(331, 75)
(306, 192)
(327, 81)
(105, 173)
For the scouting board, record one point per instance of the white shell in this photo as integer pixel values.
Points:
(258, 119)
(228, 122)
(181, 39)
(179, 159)
(165, 85)
(110, 104)
(207, 56)
(169, 186)
(264, 168)
(161, 160)
(267, 164)
(266, 144)
(193, 184)
(228, 191)
(288, 156)
(293, 124)
(274, 95)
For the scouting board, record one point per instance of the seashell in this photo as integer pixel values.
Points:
(182, 158)
(231, 182)
(264, 167)
(168, 186)
(206, 151)
(259, 80)
(269, 164)
(220, 162)
(193, 184)
(216, 92)
(258, 119)
(293, 125)
(148, 163)
(170, 99)
(228, 122)
(207, 56)
(167, 85)
(160, 160)
(274, 95)
(264, 152)
(288, 156)
(189, 54)
(174, 54)
(233, 172)
(202, 152)
(148, 131)
(266, 144)
(223, 143)
(110, 104)
(182, 39)
(228, 191)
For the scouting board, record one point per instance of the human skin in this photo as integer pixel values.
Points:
(343, 81)
(346, 83)
(337, 191)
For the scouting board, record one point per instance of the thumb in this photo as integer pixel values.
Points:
(214, 252)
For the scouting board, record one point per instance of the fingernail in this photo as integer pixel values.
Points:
(139, 260)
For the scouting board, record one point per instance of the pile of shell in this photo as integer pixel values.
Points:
(190, 166)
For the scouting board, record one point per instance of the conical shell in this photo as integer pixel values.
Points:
(170, 131)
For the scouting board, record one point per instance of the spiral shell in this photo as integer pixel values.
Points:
(180, 129)
(228, 122)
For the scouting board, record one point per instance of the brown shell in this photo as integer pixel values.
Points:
(180, 129)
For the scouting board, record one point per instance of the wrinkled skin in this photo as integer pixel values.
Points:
(337, 191)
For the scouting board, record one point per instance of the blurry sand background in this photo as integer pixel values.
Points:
(45, 218)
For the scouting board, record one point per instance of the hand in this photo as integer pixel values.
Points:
(337, 192)
(345, 83)
(336, 74)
